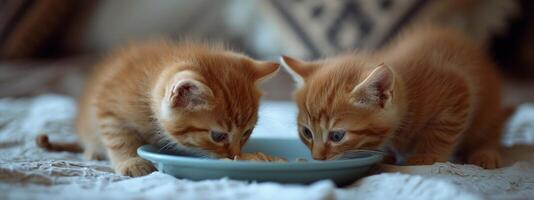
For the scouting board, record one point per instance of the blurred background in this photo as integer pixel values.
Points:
(47, 46)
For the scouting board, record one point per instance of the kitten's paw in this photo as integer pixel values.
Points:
(135, 167)
(486, 158)
(423, 159)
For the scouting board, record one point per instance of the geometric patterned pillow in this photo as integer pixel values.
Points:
(315, 28)
(325, 27)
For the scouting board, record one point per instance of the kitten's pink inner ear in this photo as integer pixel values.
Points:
(376, 89)
(297, 69)
(190, 95)
(266, 70)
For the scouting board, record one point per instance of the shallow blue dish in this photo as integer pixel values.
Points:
(340, 171)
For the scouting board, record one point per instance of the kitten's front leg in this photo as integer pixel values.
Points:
(121, 145)
(438, 140)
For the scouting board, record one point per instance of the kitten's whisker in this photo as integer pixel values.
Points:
(163, 148)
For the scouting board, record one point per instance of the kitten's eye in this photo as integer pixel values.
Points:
(336, 136)
(218, 136)
(307, 133)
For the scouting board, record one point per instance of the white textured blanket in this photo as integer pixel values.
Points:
(27, 172)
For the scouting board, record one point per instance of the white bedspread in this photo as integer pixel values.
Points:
(27, 172)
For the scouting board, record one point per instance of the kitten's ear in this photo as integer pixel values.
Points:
(265, 70)
(298, 70)
(376, 89)
(189, 94)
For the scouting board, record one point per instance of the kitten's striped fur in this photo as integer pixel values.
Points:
(428, 95)
(169, 94)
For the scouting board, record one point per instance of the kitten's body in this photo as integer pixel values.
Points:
(439, 94)
(164, 93)
(448, 78)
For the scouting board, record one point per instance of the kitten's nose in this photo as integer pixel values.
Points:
(318, 154)
(234, 152)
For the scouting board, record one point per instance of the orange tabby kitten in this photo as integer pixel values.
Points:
(430, 94)
(196, 97)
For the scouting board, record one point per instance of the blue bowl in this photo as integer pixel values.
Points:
(340, 171)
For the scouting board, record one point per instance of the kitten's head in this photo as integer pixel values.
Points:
(209, 100)
(344, 104)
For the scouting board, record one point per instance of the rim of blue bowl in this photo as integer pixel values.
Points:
(151, 153)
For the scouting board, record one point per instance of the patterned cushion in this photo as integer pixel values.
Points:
(324, 27)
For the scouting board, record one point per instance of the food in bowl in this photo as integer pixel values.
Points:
(257, 156)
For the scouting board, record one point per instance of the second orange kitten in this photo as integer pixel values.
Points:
(428, 96)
